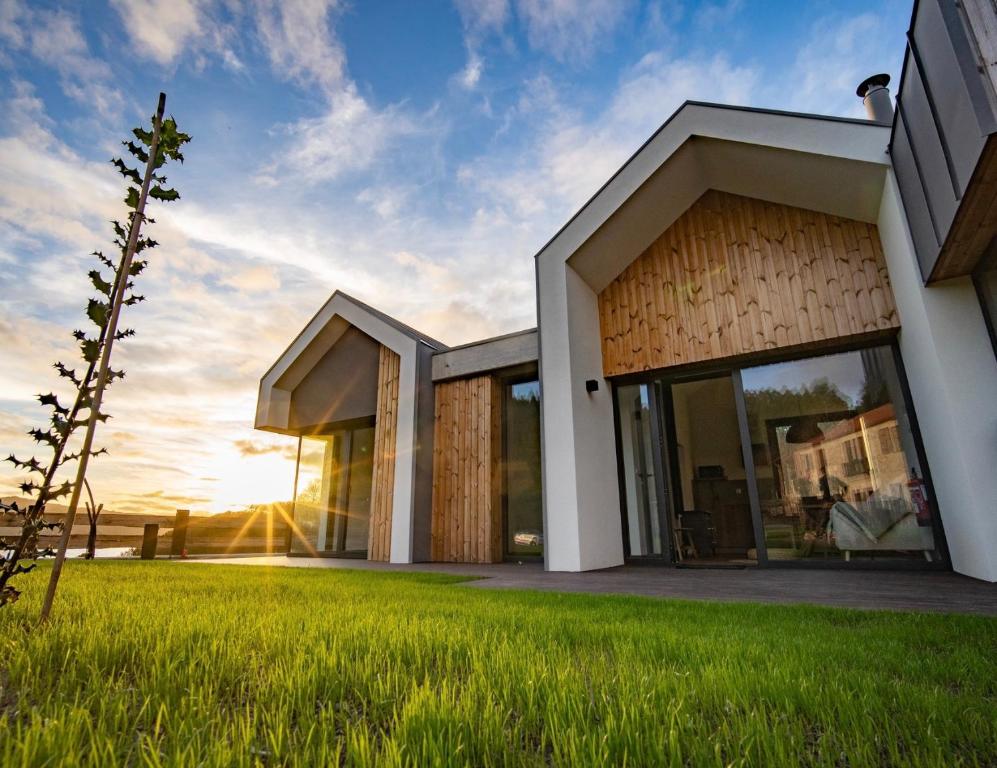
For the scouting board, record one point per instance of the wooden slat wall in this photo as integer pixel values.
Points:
(467, 510)
(735, 275)
(385, 433)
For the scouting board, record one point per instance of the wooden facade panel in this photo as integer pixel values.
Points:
(467, 511)
(734, 275)
(385, 435)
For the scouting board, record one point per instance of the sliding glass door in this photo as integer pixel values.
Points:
(711, 512)
(812, 459)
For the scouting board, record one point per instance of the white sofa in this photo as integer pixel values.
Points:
(879, 523)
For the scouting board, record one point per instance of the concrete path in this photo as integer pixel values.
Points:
(888, 590)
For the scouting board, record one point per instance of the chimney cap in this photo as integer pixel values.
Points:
(867, 85)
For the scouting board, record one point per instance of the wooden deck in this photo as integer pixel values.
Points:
(884, 590)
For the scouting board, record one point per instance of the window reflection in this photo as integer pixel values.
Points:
(332, 501)
(838, 476)
(524, 508)
(643, 520)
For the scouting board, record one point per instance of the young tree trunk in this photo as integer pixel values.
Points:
(118, 295)
(92, 540)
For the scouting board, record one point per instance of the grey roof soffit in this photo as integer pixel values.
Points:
(711, 105)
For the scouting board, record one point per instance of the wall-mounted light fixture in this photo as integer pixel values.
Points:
(591, 385)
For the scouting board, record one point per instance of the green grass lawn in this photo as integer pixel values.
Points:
(186, 664)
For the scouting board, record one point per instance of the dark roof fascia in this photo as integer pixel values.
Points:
(710, 105)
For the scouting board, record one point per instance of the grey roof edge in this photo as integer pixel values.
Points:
(488, 340)
(709, 105)
(429, 341)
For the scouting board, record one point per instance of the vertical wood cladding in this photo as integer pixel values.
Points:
(385, 434)
(735, 275)
(467, 509)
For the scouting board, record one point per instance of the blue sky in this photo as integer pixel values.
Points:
(414, 154)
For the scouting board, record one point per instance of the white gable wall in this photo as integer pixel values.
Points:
(952, 372)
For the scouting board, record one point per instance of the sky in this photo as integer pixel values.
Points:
(413, 154)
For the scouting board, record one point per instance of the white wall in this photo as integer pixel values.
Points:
(952, 372)
(581, 491)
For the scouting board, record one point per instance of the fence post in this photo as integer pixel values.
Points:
(150, 537)
(178, 540)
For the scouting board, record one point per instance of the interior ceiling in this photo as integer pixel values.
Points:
(834, 185)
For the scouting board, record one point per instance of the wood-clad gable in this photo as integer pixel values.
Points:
(385, 436)
(467, 510)
(736, 275)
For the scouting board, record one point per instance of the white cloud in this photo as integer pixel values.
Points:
(13, 15)
(841, 52)
(54, 38)
(350, 133)
(570, 29)
(300, 42)
(161, 29)
(712, 15)
(480, 16)
(347, 137)
(570, 156)
(257, 278)
(471, 74)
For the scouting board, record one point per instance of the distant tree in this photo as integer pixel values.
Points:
(93, 515)
(820, 396)
(874, 393)
(153, 148)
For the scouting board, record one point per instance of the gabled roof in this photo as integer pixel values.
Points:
(319, 335)
(831, 164)
(408, 330)
(383, 317)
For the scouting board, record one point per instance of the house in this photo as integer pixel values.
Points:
(766, 341)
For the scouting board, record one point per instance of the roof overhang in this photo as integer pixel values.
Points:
(328, 325)
(832, 165)
(511, 350)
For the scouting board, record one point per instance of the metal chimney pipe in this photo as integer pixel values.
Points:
(876, 97)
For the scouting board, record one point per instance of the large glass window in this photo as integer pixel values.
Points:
(837, 470)
(333, 493)
(524, 507)
(643, 521)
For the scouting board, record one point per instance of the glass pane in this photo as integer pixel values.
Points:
(714, 522)
(643, 522)
(361, 470)
(524, 510)
(314, 494)
(838, 475)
